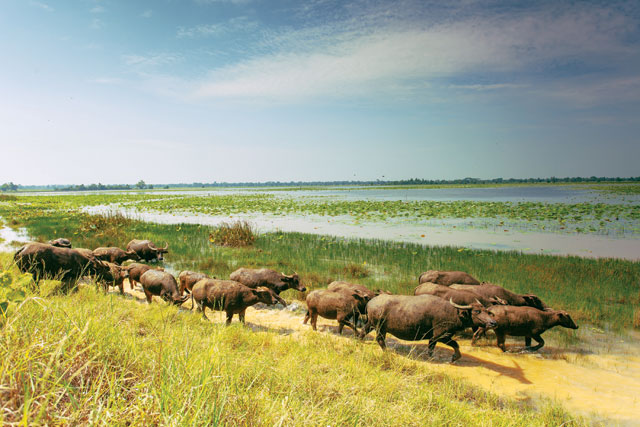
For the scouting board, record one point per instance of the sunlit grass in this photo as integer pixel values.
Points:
(89, 358)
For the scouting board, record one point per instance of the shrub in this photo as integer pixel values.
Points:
(236, 234)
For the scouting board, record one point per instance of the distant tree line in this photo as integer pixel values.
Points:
(141, 185)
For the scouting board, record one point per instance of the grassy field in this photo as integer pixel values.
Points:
(90, 358)
(602, 292)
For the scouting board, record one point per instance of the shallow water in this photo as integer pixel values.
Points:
(437, 233)
(548, 194)
(9, 235)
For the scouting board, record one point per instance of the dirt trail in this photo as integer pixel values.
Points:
(588, 382)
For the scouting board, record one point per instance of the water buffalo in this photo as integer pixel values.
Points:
(115, 255)
(489, 290)
(43, 260)
(447, 278)
(146, 250)
(228, 296)
(337, 305)
(415, 318)
(459, 296)
(527, 322)
(136, 270)
(162, 284)
(60, 243)
(339, 286)
(269, 278)
(189, 278)
(115, 277)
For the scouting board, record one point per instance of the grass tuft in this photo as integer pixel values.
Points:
(236, 234)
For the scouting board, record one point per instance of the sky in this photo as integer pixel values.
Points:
(170, 91)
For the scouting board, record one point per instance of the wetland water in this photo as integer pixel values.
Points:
(313, 211)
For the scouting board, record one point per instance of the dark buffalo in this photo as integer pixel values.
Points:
(339, 305)
(339, 286)
(459, 296)
(43, 260)
(60, 243)
(115, 255)
(86, 252)
(447, 278)
(489, 290)
(146, 250)
(189, 278)
(136, 270)
(161, 284)
(228, 296)
(527, 322)
(278, 282)
(415, 318)
(115, 277)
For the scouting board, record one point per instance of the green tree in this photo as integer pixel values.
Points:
(141, 184)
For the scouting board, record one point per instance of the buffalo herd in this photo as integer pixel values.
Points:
(444, 302)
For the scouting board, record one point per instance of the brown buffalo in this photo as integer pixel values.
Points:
(136, 270)
(338, 305)
(489, 290)
(339, 285)
(162, 284)
(147, 250)
(527, 322)
(43, 260)
(189, 278)
(60, 243)
(447, 278)
(228, 296)
(459, 296)
(278, 282)
(415, 318)
(115, 277)
(115, 255)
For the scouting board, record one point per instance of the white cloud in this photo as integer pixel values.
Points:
(147, 13)
(151, 60)
(96, 24)
(205, 30)
(349, 59)
(41, 5)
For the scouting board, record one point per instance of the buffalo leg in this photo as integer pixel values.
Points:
(241, 315)
(366, 329)
(434, 340)
(538, 338)
(306, 318)
(204, 309)
(148, 295)
(501, 336)
(314, 319)
(381, 334)
(447, 340)
(229, 317)
(121, 286)
(342, 322)
(527, 341)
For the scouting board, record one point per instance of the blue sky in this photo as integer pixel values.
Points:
(254, 90)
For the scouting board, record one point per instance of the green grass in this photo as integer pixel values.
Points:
(90, 358)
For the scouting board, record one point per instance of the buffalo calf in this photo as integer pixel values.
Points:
(228, 296)
(341, 306)
(527, 322)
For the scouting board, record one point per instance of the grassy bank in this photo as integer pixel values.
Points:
(89, 358)
(602, 292)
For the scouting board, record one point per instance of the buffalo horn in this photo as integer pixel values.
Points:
(166, 246)
(462, 307)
